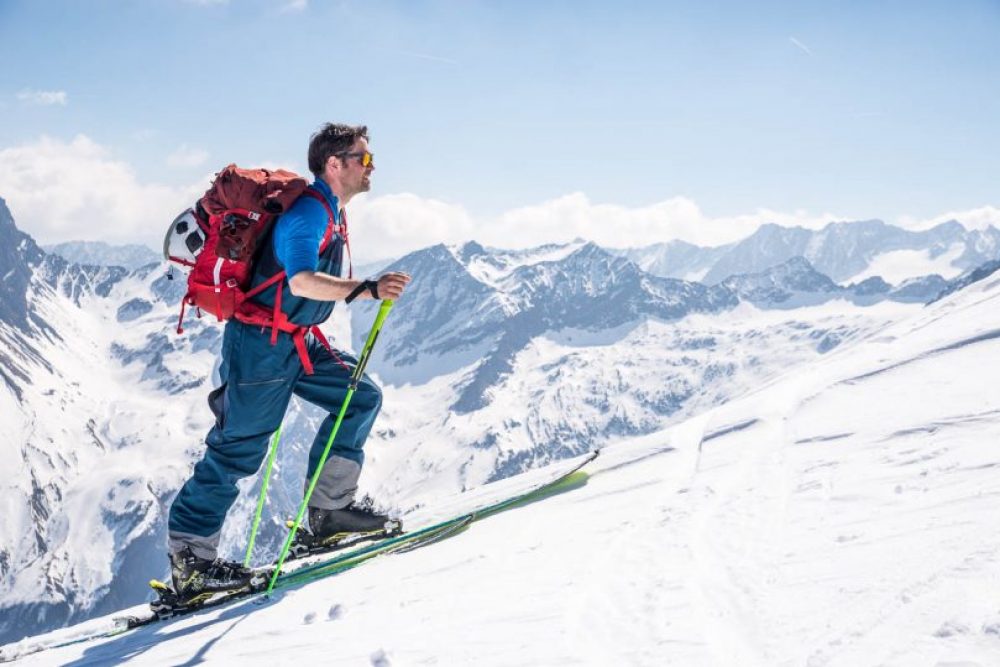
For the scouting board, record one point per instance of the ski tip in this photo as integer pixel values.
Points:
(158, 585)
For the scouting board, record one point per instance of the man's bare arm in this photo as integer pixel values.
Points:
(324, 287)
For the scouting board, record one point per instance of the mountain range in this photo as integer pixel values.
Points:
(132, 256)
(843, 251)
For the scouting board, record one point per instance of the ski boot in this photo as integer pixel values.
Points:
(330, 530)
(197, 580)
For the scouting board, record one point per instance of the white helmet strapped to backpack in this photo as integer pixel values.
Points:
(185, 239)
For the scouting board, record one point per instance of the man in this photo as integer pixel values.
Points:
(260, 372)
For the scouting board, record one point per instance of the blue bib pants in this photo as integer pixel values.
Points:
(258, 382)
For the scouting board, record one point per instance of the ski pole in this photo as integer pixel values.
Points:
(359, 371)
(263, 494)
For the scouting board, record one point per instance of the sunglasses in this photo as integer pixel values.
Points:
(365, 157)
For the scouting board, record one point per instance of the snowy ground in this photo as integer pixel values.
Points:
(841, 515)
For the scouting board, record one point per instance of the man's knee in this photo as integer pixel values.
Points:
(235, 459)
(369, 394)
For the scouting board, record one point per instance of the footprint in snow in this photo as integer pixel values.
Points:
(380, 659)
(336, 611)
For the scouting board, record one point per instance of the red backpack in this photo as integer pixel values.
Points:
(218, 240)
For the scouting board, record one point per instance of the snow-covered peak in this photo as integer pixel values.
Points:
(791, 284)
(97, 253)
(492, 265)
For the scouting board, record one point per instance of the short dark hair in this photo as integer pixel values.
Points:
(331, 139)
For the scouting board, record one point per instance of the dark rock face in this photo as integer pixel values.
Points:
(919, 290)
(981, 272)
(18, 255)
(790, 284)
(133, 309)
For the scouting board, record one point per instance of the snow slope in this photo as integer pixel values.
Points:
(843, 514)
(106, 405)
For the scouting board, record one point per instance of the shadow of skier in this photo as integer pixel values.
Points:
(141, 640)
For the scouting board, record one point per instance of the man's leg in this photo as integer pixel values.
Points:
(249, 406)
(327, 388)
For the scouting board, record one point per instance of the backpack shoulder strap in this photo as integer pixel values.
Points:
(332, 227)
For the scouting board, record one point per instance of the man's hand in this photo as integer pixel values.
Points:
(391, 285)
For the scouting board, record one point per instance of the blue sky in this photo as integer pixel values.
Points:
(854, 109)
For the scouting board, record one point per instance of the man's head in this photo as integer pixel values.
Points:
(339, 155)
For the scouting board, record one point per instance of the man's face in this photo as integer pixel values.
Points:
(355, 176)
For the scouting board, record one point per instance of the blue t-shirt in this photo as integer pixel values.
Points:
(298, 233)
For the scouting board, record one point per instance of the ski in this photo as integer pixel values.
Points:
(167, 605)
(305, 545)
(311, 567)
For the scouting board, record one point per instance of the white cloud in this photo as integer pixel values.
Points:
(295, 6)
(61, 191)
(976, 218)
(187, 156)
(43, 97)
(391, 225)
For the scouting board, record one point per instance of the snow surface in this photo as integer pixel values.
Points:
(842, 514)
(114, 412)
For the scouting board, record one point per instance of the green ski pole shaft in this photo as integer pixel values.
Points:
(359, 371)
(263, 495)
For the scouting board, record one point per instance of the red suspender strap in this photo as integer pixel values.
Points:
(322, 339)
(277, 277)
(299, 336)
(347, 242)
(333, 227)
(278, 316)
(180, 320)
